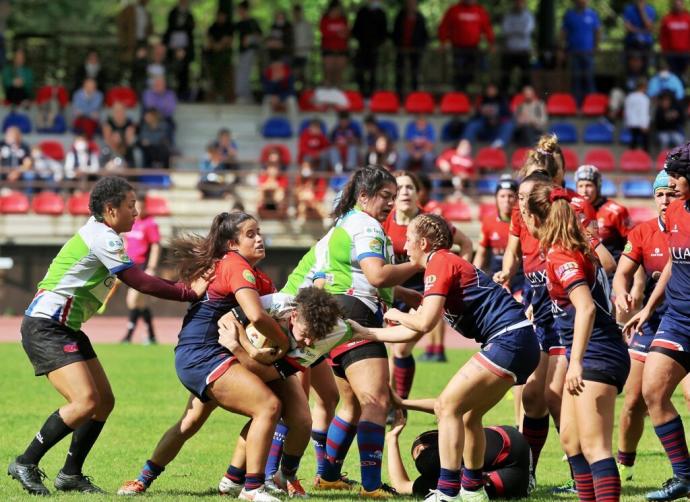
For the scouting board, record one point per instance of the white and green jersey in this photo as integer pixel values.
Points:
(280, 306)
(307, 270)
(355, 237)
(80, 276)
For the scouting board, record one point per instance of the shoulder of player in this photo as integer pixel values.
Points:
(97, 233)
(356, 221)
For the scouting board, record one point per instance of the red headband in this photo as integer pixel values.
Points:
(560, 194)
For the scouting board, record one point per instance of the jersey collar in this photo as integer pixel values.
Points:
(662, 225)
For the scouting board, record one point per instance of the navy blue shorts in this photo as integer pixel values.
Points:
(513, 355)
(640, 344)
(549, 341)
(672, 339)
(606, 361)
(198, 367)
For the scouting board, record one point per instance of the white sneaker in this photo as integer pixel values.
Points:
(478, 496)
(439, 496)
(271, 487)
(258, 495)
(227, 486)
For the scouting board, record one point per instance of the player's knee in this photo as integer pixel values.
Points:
(651, 395)
(374, 405)
(634, 404)
(445, 407)
(87, 403)
(534, 400)
(106, 403)
(270, 408)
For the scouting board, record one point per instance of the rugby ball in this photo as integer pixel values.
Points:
(257, 339)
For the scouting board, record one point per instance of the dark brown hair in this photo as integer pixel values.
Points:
(412, 176)
(434, 229)
(319, 310)
(366, 180)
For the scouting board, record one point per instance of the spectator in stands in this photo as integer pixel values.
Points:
(674, 38)
(303, 37)
(313, 145)
(410, 38)
(669, 121)
(493, 121)
(228, 148)
(82, 159)
(335, 35)
(272, 185)
(115, 155)
(664, 80)
(18, 80)
(581, 30)
(163, 100)
(279, 90)
(45, 169)
(15, 155)
(345, 140)
(179, 39)
(371, 31)
(637, 113)
(517, 28)
(279, 40)
(154, 140)
(50, 117)
(118, 122)
(530, 118)
(462, 26)
(639, 18)
(457, 163)
(310, 191)
(372, 130)
(219, 56)
(156, 64)
(420, 139)
(382, 152)
(87, 103)
(249, 37)
(134, 27)
(212, 180)
(91, 68)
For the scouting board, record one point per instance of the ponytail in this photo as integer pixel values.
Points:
(546, 156)
(366, 180)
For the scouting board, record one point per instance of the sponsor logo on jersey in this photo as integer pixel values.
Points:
(628, 247)
(657, 252)
(429, 281)
(376, 246)
(114, 244)
(495, 236)
(680, 254)
(248, 276)
(567, 270)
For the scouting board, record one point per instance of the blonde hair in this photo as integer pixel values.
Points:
(546, 156)
(434, 229)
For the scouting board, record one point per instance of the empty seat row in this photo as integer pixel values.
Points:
(640, 188)
(50, 203)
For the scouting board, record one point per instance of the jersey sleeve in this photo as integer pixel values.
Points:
(109, 248)
(485, 232)
(633, 248)
(369, 242)
(515, 222)
(233, 275)
(568, 269)
(437, 277)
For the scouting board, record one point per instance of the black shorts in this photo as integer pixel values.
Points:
(51, 345)
(373, 350)
(682, 358)
(603, 377)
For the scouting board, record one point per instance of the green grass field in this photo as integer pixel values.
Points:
(150, 399)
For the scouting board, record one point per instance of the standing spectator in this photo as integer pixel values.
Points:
(279, 90)
(82, 159)
(580, 34)
(639, 18)
(345, 140)
(280, 41)
(163, 100)
(14, 153)
(303, 36)
(462, 27)
(134, 27)
(637, 113)
(664, 80)
(669, 121)
(335, 35)
(530, 118)
(154, 140)
(371, 31)
(91, 68)
(156, 64)
(249, 38)
(517, 28)
(492, 122)
(410, 37)
(313, 145)
(674, 37)
(382, 152)
(18, 80)
(179, 39)
(219, 54)
(420, 139)
(86, 108)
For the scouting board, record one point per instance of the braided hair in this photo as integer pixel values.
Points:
(434, 229)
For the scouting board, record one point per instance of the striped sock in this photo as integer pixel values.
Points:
(403, 374)
(583, 478)
(318, 439)
(235, 474)
(472, 479)
(672, 437)
(535, 431)
(149, 473)
(289, 465)
(607, 481)
(340, 437)
(627, 459)
(254, 480)
(276, 451)
(449, 482)
(370, 441)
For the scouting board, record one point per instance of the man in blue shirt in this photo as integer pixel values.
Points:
(639, 18)
(666, 81)
(580, 37)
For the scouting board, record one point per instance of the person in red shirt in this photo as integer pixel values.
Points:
(674, 38)
(462, 27)
(313, 145)
(335, 35)
(272, 185)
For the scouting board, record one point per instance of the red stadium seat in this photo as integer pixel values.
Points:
(47, 92)
(124, 95)
(517, 160)
(517, 100)
(661, 159)
(456, 211)
(561, 104)
(48, 203)
(419, 102)
(156, 206)
(455, 103)
(285, 156)
(433, 207)
(14, 203)
(78, 204)
(635, 161)
(640, 214)
(355, 100)
(595, 105)
(52, 149)
(602, 158)
(306, 103)
(384, 102)
(491, 158)
(572, 160)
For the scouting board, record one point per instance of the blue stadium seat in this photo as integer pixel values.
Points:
(155, 180)
(566, 132)
(452, 131)
(570, 184)
(486, 185)
(59, 126)
(337, 183)
(305, 123)
(598, 133)
(277, 127)
(390, 129)
(637, 187)
(608, 188)
(624, 138)
(16, 119)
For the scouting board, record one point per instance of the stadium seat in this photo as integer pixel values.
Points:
(306, 103)
(636, 161)
(419, 102)
(384, 102)
(608, 188)
(566, 132)
(48, 203)
(661, 159)
(572, 159)
(486, 185)
(624, 137)
(641, 213)
(452, 130)
(491, 158)
(52, 149)
(602, 158)
(47, 92)
(598, 134)
(517, 160)
(16, 119)
(338, 182)
(595, 105)
(516, 101)
(561, 104)
(285, 156)
(570, 184)
(124, 95)
(78, 204)
(455, 103)
(637, 187)
(276, 127)
(456, 211)
(59, 126)
(14, 203)
(305, 123)
(156, 206)
(155, 180)
(355, 102)
(390, 129)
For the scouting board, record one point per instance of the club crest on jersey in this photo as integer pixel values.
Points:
(248, 276)
(376, 246)
(429, 281)
(657, 252)
(114, 244)
(628, 247)
(567, 270)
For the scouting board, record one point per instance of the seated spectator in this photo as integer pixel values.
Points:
(45, 169)
(154, 140)
(90, 68)
(15, 155)
(530, 118)
(119, 123)
(457, 163)
(115, 155)
(272, 185)
(86, 108)
(18, 80)
(669, 121)
(637, 113)
(492, 122)
(313, 145)
(309, 193)
(383, 153)
(420, 139)
(213, 183)
(49, 116)
(156, 64)
(82, 159)
(371, 129)
(345, 140)
(228, 148)
(279, 90)
(164, 101)
(664, 80)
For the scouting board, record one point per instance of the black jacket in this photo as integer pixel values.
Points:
(420, 35)
(370, 28)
